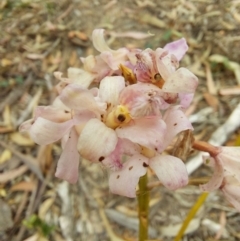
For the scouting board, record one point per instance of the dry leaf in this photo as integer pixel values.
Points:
(6, 62)
(23, 186)
(44, 157)
(211, 100)
(43, 209)
(7, 116)
(6, 129)
(30, 161)
(5, 216)
(5, 156)
(9, 175)
(21, 139)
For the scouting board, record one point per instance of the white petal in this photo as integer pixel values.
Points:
(96, 141)
(148, 132)
(178, 48)
(124, 182)
(67, 167)
(78, 98)
(80, 77)
(216, 180)
(110, 88)
(181, 81)
(44, 132)
(185, 99)
(99, 42)
(231, 190)
(176, 122)
(170, 170)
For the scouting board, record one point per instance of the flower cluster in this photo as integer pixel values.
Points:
(122, 109)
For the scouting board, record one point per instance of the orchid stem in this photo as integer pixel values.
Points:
(191, 215)
(143, 207)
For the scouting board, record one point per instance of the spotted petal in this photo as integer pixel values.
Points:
(124, 181)
(96, 141)
(148, 132)
(176, 122)
(181, 81)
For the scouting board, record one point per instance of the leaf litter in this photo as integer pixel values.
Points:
(39, 37)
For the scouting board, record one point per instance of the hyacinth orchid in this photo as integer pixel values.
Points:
(226, 177)
(122, 109)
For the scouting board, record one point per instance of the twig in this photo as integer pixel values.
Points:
(219, 137)
(28, 160)
(16, 94)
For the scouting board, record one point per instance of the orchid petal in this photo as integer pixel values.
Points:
(176, 122)
(231, 191)
(78, 98)
(124, 148)
(110, 88)
(124, 181)
(52, 113)
(143, 99)
(178, 48)
(67, 167)
(181, 81)
(217, 178)
(185, 99)
(165, 68)
(99, 42)
(143, 132)
(230, 158)
(170, 170)
(96, 141)
(44, 132)
(80, 77)
(115, 58)
(26, 125)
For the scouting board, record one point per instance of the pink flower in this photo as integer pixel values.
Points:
(160, 68)
(226, 176)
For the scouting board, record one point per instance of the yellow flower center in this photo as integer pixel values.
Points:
(118, 116)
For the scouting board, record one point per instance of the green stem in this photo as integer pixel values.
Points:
(143, 207)
(191, 215)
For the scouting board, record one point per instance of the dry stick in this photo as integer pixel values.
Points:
(16, 94)
(27, 160)
(28, 213)
(21, 207)
(218, 138)
(192, 181)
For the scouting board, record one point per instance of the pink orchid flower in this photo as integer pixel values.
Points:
(160, 67)
(226, 176)
(115, 123)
